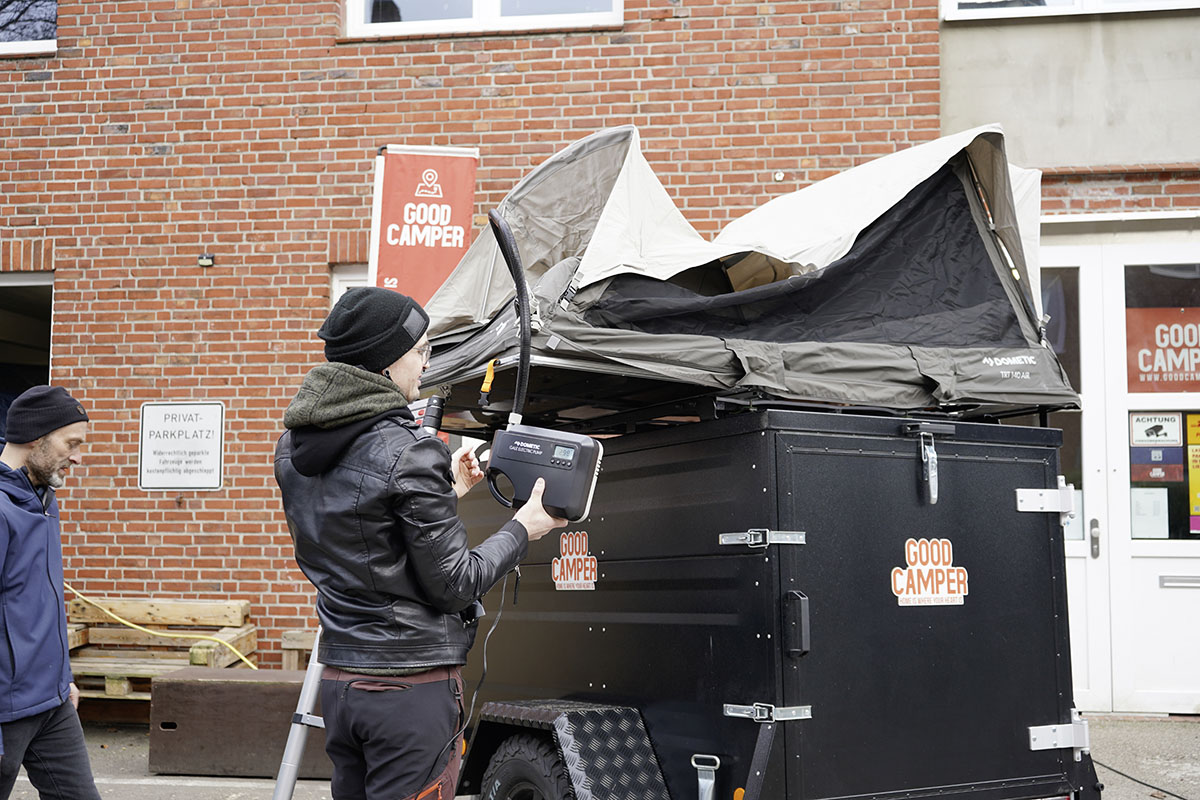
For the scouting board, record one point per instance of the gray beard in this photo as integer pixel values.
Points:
(44, 474)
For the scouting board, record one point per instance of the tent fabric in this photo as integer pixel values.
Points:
(900, 283)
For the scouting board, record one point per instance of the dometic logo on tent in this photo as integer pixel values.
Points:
(930, 579)
(575, 570)
(1010, 361)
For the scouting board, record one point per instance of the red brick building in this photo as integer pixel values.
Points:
(162, 130)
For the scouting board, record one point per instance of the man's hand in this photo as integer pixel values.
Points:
(534, 517)
(74, 695)
(466, 470)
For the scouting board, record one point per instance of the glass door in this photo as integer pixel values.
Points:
(1152, 338)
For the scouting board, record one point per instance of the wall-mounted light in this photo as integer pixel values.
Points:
(205, 260)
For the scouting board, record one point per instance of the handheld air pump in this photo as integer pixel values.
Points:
(569, 462)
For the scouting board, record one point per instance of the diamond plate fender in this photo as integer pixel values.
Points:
(606, 749)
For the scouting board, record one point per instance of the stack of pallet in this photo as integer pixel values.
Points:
(111, 660)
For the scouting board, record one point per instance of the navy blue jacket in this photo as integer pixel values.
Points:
(35, 664)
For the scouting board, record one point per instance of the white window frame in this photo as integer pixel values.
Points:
(485, 19)
(346, 276)
(952, 13)
(30, 47)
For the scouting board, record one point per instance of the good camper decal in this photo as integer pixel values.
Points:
(929, 577)
(575, 569)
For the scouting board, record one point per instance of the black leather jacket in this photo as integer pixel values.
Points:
(377, 531)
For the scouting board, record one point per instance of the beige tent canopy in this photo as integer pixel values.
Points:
(901, 283)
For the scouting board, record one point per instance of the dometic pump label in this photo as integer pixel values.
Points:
(930, 577)
(575, 569)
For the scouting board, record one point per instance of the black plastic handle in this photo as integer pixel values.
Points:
(491, 482)
(797, 635)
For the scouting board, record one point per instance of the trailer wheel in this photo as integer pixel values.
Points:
(525, 767)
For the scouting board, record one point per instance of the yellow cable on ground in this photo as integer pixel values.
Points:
(137, 627)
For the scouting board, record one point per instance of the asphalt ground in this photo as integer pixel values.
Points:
(1161, 751)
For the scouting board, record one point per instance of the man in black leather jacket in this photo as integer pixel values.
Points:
(371, 503)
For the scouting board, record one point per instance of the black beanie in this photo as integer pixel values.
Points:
(39, 411)
(371, 327)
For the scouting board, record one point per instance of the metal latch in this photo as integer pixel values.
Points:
(765, 712)
(929, 472)
(1073, 735)
(924, 431)
(762, 537)
(1060, 500)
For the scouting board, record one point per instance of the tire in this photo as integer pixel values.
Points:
(525, 767)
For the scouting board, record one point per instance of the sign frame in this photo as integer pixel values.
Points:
(218, 431)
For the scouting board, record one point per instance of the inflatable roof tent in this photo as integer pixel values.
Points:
(900, 284)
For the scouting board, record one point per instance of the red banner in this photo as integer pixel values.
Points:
(421, 217)
(1163, 349)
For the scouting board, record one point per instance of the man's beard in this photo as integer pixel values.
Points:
(43, 469)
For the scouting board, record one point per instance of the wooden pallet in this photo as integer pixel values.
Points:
(296, 647)
(114, 661)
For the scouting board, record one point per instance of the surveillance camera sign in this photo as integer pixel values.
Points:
(421, 217)
(1156, 429)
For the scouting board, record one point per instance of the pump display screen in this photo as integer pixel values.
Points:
(565, 453)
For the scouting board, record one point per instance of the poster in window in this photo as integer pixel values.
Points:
(1163, 349)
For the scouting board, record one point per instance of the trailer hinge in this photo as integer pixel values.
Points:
(765, 712)
(1060, 737)
(1060, 500)
(762, 537)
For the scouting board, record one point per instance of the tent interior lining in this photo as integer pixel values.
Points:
(907, 280)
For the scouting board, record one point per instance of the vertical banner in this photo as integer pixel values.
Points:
(421, 216)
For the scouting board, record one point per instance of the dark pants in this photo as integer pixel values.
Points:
(51, 747)
(390, 738)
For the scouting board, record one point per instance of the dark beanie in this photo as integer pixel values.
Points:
(371, 327)
(39, 411)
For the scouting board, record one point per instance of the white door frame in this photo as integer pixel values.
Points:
(1088, 575)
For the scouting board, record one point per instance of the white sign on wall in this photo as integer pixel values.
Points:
(182, 446)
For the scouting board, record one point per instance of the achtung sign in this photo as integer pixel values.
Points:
(421, 216)
(1163, 349)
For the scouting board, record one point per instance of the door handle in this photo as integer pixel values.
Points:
(797, 634)
(1094, 531)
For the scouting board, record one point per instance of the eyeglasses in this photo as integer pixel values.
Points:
(424, 351)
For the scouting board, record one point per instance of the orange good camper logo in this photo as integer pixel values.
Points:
(930, 577)
(575, 569)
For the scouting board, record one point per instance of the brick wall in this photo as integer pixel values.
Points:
(1167, 187)
(162, 130)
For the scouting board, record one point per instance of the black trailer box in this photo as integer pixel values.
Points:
(793, 569)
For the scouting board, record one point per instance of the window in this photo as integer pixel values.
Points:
(28, 27)
(377, 18)
(343, 277)
(1162, 327)
(992, 9)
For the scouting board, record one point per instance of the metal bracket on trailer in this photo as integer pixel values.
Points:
(762, 537)
(1073, 735)
(765, 712)
(1060, 500)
